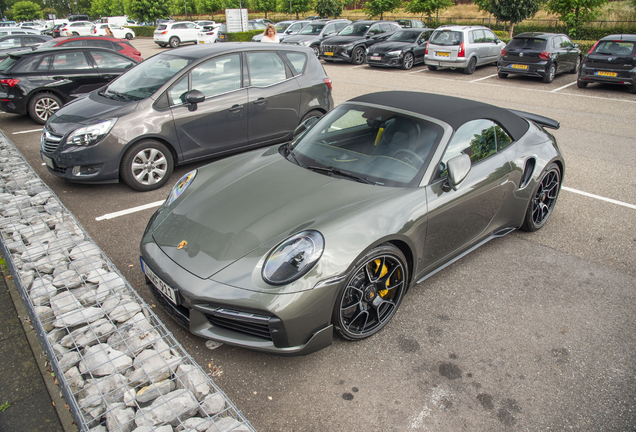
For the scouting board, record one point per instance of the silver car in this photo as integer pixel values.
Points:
(462, 47)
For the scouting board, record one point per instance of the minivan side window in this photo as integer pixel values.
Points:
(266, 68)
(215, 76)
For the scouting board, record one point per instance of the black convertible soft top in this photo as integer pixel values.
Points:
(451, 110)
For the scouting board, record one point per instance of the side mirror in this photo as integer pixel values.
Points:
(193, 97)
(306, 125)
(576, 45)
(458, 169)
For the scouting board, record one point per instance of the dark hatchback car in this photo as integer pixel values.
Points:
(540, 55)
(185, 105)
(351, 43)
(404, 49)
(12, 43)
(312, 34)
(39, 82)
(122, 46)
(612, 60)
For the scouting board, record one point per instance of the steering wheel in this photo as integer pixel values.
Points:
(409, 157)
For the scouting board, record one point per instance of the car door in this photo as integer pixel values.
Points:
(459, 218)
(190, 32)
(491, 41)
(72, 73)
(561, 54)
(571, 53)
(109, 64)
(273, 96)
(476, 39)
(420, 47)
(219, 123)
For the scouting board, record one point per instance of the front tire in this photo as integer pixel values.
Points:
(43, 105)
(129, 36)
(174, 42)
(147, 165)
(472, 65)
(549, 76)
(316, 49)
(543, 199)
(372, 294)
(357, 57)
(407, 61)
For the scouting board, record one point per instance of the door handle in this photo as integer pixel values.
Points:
(236, 108)
(108, 76)
(260, 101)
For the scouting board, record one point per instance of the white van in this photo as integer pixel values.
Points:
(119, 20)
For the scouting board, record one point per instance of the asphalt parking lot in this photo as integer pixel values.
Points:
(532, 332)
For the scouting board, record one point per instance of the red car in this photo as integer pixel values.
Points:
(120, 45)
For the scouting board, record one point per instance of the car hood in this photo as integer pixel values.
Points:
(343, 40)
(383, 47)
(87, 110)
(300, 38)
(245, 202)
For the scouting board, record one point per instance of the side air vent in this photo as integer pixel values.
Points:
(527, 172)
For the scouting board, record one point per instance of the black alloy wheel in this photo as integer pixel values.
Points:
(543, 199)
(357, 57)
(472, 65)
(407, 61)
(372, 294)
(549, 76)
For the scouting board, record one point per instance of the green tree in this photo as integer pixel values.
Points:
(178, 7)
(264, 6)
(208, 7)
(297, 6)
(329, 8)
(374, 8)
(26, 11)
(575, 13)
(149, 10)
(105, 8)
(514, 11)
(428, 7)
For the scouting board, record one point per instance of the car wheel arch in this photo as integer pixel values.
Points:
(162, 140)
(47, 90)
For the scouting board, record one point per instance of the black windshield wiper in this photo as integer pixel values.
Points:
(340, 173)
(119, 95)
(290, 152)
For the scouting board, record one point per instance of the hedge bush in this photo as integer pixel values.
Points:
(242, 36)
(143, 31)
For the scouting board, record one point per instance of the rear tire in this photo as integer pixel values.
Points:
(129, 36)
(75, 34)
(174, 42)
(431, 67)
(581, 84)
(543, 199)
(549, 76)
(472, 65)
(43, 105)
(146, 166)
(502, 75)
(310, 114)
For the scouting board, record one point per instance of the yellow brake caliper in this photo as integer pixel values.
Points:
(384, 271)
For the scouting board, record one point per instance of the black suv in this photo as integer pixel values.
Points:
(315, 32)
(612, 60)
(351, 43)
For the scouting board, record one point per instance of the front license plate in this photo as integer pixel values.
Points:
(608, 74)
(327, 53)
(161, 285)
(48, 161)
(442, 54)
(376, 58)
(517, 66)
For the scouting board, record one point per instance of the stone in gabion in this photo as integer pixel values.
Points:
(190, 377)
(101, 359)
(109, 389)
(35, 252)
(153, 391)
(49, 263)
(129, 398)
(212, 405)
(80, 316)
(64, 302)
(97, 332)
(227, 424)
(46, 316)
(150, 367)
(69, 279)
(88, 264)
(120, 419)
(172, 408)
(68, 360)
(74, 379)
(197, 424)
(164, 428)
(84, 250)
(124, 312)
(56, 335)
(41, 291)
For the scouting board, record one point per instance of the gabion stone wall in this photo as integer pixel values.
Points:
(118, 366)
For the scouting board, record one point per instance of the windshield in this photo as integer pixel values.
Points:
(447, 37)
(366, 143)
(311, 29)
(403, 36)
(7, 63)
(146, 78)
(355, 30)
(615, 48)
(281, 26)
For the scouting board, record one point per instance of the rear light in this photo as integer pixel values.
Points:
(544, 55)
(137, 53)
(503, 52)
(95, 31)
(462, 51)
(593, 46)
(164, 32)
(426, 49)
(11, 82)
(328, 82)
(210, 34)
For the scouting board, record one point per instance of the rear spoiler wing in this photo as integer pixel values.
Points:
(541, 120)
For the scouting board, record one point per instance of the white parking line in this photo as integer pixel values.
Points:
(565, 86)
(129, 211)
(609, 200)
(486, 77)
(29, 131)
(356, 67)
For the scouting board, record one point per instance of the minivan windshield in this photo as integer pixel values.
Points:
(146, 78)
(311, 29)
(355, 30)
(403, 36)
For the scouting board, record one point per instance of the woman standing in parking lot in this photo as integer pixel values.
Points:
(109, 32)
(269, 35)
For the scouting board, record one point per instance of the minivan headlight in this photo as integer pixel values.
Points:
(293, 257)
(91, 134)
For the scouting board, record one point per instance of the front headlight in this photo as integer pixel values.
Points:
(180, 187)
(293, 258)
(394, 53)
(306, 43)
(91, 134)
(348, 47)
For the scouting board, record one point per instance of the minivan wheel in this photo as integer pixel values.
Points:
(472, 65)
(129, 36)
(174, 42)
(147, 165)
(502, 75)
(581, 84)
(43, 105)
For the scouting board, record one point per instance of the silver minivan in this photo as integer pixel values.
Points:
(462, 47)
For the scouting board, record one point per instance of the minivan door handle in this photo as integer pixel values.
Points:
(260, 101)
(236, 108)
